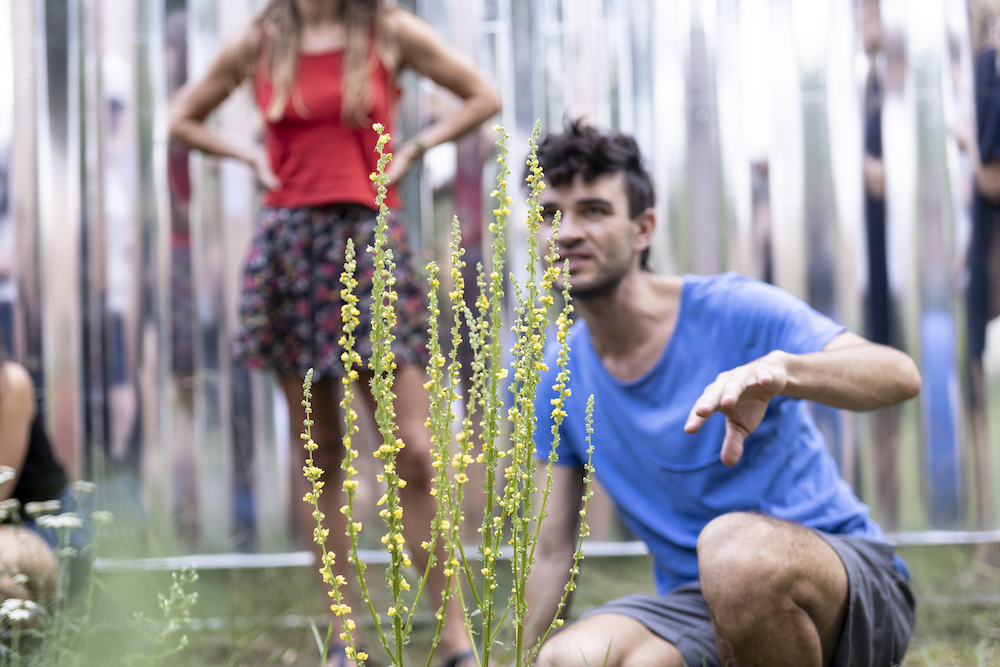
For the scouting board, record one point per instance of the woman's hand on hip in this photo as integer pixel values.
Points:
(261, 165)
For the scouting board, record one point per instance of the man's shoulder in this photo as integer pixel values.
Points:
(722, 284)
(729, 293)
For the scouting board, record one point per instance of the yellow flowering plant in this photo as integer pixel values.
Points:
(511, 524)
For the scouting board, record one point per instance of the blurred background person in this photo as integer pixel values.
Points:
(983, 252)
(878, 302)
(323, 72)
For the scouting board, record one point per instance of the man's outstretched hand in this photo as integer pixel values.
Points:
(742, 395)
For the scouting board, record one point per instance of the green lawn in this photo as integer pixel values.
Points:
(260, 617)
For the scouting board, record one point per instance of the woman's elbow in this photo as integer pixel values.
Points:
(175, 123)
(492, 102)
(909, 379)
(486, 100)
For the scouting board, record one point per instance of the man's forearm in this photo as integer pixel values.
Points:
(852, 377)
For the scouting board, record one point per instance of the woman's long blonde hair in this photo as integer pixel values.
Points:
(282, 27)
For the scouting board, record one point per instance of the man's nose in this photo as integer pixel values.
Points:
(569, 230)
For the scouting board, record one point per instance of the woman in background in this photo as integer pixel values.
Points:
(323, 71)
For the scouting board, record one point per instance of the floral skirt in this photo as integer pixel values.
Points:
(289, 311)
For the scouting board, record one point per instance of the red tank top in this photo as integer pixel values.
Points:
(318, 158)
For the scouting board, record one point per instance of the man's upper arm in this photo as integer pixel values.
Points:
(784, 322)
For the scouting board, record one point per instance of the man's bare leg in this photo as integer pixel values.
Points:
(777, 592)
(608, 640)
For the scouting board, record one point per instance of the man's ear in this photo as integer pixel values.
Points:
(645, 227)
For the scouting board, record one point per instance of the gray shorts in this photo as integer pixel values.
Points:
(880, 615)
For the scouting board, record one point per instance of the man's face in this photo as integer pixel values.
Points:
(596, 235)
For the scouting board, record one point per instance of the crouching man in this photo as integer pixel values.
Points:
(762, 554)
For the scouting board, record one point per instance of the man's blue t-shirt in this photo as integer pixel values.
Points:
(667, 484)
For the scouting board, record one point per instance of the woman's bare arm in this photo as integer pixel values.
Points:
(197, 99)
(421, 48)
(17, 411)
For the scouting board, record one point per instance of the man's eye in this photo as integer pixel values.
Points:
(593, 211)
(548, 216)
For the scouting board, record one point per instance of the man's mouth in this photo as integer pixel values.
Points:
(574, 259)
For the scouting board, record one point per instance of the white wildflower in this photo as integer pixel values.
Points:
(37, 507)
(19, 615)
(66, 521)
(6, 474)
(82, 487)
(17, 610)
(10, 505)
(20, 579)
(102, 518)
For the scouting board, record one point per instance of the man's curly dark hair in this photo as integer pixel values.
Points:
(583, 149)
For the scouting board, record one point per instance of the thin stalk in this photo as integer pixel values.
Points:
(584, 532)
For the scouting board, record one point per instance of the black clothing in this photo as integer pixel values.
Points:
(985, 213)
(42, 478)
(877, 307)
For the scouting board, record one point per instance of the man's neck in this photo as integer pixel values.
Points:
(631, 325)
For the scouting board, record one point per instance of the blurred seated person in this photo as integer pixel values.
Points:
(28, 563)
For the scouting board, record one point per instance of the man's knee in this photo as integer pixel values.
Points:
(607, 639)
(738, 561)
(587, 642)
(561, 650)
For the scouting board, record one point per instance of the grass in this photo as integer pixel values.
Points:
(261, 617)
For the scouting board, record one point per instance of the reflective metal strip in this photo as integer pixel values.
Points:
(306, 558)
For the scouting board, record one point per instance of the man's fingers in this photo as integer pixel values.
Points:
(740, 382)
(694, 423)
(732, 446)
(734, 389)
(764, 376)
(710, 398)
(703, 408)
